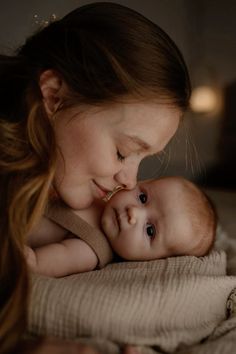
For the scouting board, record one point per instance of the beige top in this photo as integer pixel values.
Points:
(61, 214)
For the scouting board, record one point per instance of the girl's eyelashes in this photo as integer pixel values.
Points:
(151, 231)
(119, 156)
(143, 197)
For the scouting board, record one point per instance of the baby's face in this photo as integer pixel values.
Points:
(148, 222)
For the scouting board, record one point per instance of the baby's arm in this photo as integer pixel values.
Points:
(46, 232)
(67, 257)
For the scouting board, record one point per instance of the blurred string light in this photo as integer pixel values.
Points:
(42, 22)
(206, 99)
(207, 93)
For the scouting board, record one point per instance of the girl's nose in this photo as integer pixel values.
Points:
(127, 176)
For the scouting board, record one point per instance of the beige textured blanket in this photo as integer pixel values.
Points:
(160, 305)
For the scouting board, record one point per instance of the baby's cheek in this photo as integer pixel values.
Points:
(106, 222)
(103, 223)
(122, 245)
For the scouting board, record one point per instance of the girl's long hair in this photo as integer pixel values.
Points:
(104, 52)
(26, 175)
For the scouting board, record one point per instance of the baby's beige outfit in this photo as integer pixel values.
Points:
(61, 214)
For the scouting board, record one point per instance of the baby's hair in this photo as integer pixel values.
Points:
(203, 216)
(213, 221)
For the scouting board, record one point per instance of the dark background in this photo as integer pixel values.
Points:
(205, 30)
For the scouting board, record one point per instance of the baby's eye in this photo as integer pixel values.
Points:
(151, 230)
(143, 198)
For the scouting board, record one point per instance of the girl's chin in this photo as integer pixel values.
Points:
(77, 204)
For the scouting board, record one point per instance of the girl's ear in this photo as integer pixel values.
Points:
(51, 84)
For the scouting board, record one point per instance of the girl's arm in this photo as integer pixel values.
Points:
(67, 257)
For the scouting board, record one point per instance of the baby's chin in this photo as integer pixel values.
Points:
(123, 253)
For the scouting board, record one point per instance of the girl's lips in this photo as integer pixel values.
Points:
(101, 190)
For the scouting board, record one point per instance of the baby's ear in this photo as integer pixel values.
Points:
(50, 84)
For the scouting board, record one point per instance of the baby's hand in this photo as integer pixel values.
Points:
(30, 257)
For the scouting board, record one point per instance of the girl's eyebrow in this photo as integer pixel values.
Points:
(138, 141)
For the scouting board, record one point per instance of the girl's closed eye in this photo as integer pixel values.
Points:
(120, 157)
(150, 231)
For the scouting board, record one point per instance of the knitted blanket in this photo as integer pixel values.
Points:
(161, 305)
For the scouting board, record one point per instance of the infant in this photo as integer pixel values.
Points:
(159, 218)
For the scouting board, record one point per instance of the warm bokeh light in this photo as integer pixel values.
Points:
(205, 99)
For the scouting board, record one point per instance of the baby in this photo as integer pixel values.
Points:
(158, 219)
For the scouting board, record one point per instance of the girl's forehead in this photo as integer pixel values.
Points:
(154, 125)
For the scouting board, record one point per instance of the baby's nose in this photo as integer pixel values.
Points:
(132, 215)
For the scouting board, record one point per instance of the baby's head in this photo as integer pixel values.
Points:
(160, 218)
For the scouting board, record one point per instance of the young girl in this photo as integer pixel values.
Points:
(82, 102)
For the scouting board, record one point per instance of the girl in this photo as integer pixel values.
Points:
(82, 102)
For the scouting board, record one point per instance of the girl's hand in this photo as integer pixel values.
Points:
(54, 346)
(130, 350)
(58, 346)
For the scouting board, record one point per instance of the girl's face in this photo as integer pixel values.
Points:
(103, 148)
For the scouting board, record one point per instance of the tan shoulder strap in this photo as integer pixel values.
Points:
(61, 214)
